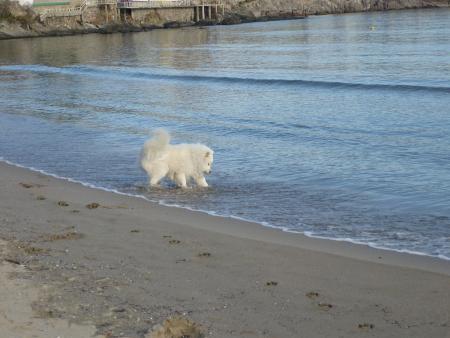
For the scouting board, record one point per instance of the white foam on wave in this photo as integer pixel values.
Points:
(374, 245)
(215, 214)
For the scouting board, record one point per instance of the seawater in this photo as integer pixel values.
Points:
(335, 126)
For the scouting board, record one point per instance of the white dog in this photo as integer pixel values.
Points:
(181, 162)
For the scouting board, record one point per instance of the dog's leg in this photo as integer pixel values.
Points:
(154, 181)
(181, 180)
(201, 182)
(156, 176)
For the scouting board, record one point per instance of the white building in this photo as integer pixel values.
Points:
(26, 2)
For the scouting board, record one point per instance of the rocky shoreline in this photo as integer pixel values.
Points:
(24, 23)
(17, 31)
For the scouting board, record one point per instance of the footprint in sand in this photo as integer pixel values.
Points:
(63, 204)
(204, 254)
(272, 283)
(134, 231)
(40, 198)
(325, 306)
(365, 326)
(174, 241)
(93, 205)
(312, 294)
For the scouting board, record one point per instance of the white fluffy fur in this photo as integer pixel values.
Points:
(180, 162)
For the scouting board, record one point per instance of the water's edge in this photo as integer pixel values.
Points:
(215, 214)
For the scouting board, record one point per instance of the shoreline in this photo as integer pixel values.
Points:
(125, 27)
(123, 265)
(338, 246)
(233, 18)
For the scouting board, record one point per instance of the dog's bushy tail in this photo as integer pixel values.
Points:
(156, 145)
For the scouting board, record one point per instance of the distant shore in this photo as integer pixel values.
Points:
(14, 31)
(17, 29)
(18, 33)
(119, 265)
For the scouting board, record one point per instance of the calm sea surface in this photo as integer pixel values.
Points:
(336, 126)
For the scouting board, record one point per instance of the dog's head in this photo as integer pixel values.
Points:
(208, 158)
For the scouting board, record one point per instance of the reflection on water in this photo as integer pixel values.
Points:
(114, 49)
(323, 125)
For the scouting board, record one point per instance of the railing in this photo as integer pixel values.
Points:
(78, 10)
(70, 11)
(104, 2)
(206, 2)
(154, 4)
(74, 11)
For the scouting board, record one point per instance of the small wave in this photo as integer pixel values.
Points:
(124, 73)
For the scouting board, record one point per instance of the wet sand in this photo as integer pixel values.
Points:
(85, 258)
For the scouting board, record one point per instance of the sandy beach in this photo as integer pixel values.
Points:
(80, 262)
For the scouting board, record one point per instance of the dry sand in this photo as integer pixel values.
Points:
(17, 319)
(118, 267)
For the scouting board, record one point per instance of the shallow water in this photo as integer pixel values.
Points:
(337, 126)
